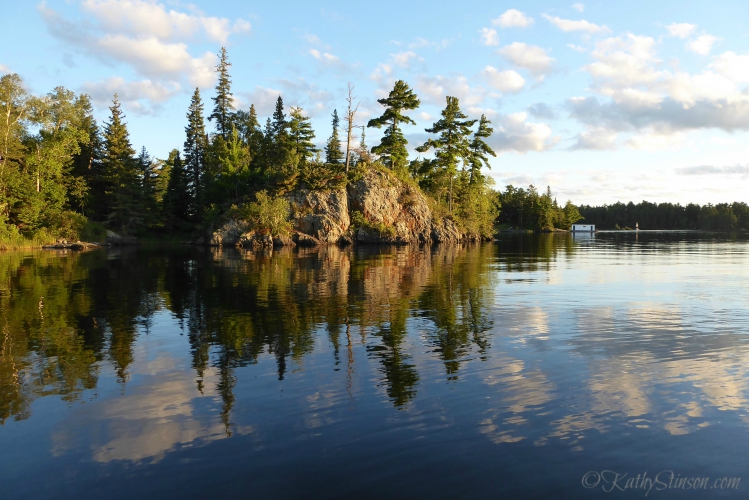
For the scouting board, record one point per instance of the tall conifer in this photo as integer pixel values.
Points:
(393, 145)
(223, 107)
(333, 153)
(195, 154)
(452, 146)
(300, 136)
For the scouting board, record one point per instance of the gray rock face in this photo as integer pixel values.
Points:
(393, 212)
(385, 200)
(229, 233)
(321, 214)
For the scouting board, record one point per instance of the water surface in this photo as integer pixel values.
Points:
(510, 369)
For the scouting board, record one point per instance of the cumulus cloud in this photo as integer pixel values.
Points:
(403, 59)
(732, 66)
(542, 110)
(513, 18)
(150, 19)
(131, 94)
(598, 139)
(147, 37)
(504, 81)
(324, 57)
(433, 90)
(514, 133)
(578, 7)
(264, 99)
(702, 44)
(301, 93)
(637, 95)
(489, 36)
(681, 30)
(530, 57)
(568, 25)
(713, 170)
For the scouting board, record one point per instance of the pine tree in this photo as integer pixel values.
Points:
(280, 158)
(452, 146)
(393, 144)
(195, 155)
(120, 168)
(333, 153)
(223, 107)
(480, 150)
(300, 136)
(177, 201)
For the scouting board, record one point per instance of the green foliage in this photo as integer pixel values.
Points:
(333, 153)
(195, 173)
(267, 214)
(720, 217)
(393, 145)
(223, 107)
(527, 209)
(358, 220)
(301, 136)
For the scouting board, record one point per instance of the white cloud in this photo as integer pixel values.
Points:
(513, 18)
(324, 57)
(263, 98)
(681, 30)
(4, 69)
(403, 59)
(598, 139)
(713, 170)
(578, 7)
(433, 89)
(655, 141)
(576, 48)
(151, 19)
(624, 61)
(530, 57)
(131, 94)
(504, 81)
(426, 117)
(145, 48)
(568, 25)
(489, 36)
(733, 66)
(514, 133)
(702, 44)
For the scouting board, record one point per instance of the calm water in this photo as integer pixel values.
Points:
(519, 369)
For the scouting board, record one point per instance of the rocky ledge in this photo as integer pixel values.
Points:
(377, 208)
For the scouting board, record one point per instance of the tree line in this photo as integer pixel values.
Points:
(60, 172)
(646, 215)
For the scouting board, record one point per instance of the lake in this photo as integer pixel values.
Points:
(537, 366)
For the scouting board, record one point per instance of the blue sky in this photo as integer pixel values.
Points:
(603, 101)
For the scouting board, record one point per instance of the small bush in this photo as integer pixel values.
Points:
(267, 214)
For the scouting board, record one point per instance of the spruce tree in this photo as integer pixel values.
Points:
(300, 136)
(479, 150)
(147, 177)
(223, 107)
(249, 131)
(280, 157)
(177, 201)
(195, 154)
(333, 153)
(393, 145)
(452, 146)
(121, 171)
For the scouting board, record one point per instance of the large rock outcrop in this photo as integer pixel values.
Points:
(394, 211)
(324, 215)
(376, 208)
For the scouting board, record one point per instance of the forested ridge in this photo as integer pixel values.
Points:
(62, 175)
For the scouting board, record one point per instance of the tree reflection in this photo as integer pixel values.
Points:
(234, 306)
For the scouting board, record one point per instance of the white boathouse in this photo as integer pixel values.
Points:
(583, 228)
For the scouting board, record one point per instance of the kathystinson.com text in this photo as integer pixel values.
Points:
(609, 481)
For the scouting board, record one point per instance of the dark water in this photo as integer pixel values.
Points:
(519, 369)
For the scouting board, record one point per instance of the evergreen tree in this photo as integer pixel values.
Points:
(249, 131)
(280, 157)
(452, 146)
(393, 144)
(177, 200)
(148, 177)
(300, 136)
(88, 198)
(479, 150)
(120, 168)
(223, 107)
(195, 155)
(333, 153)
